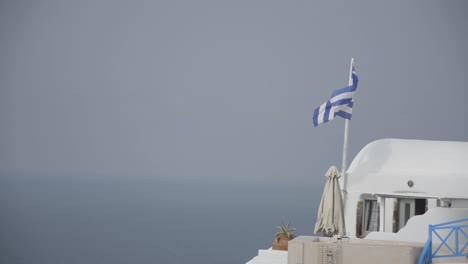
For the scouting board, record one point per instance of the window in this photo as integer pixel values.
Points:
(371, 216)
(367, 216)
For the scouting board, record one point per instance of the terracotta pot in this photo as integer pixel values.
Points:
(281, 242)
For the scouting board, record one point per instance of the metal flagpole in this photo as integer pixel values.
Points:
(345, 141)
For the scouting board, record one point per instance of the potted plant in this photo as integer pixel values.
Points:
(282, 237)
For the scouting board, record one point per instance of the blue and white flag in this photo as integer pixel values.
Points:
(340, 103)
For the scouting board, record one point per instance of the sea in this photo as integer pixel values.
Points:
(99, 220)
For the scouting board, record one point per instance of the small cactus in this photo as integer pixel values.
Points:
(285, 230)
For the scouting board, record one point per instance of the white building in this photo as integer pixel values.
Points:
(394, 189)
(392, 180)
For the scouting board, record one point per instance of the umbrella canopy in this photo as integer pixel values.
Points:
(330, 216)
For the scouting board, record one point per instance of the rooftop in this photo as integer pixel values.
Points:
(436, 168)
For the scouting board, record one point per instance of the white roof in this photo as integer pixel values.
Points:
(269, 256)
(436, 168)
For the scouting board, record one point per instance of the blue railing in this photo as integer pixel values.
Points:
(454, 239)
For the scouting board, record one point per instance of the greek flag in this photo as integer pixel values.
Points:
(340, 103)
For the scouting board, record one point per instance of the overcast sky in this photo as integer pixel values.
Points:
(221, 89)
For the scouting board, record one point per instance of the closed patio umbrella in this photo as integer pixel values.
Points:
(330, 216)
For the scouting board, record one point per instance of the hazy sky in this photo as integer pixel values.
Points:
(221, 89)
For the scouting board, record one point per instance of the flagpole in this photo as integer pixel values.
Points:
(345, 140)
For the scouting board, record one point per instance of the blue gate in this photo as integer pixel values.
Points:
(453, 239)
